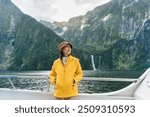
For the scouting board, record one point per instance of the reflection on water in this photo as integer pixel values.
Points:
(101, 86)
(84, 86)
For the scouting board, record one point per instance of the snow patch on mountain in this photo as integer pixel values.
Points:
(64, 29)
(106, 17)
(83, 24)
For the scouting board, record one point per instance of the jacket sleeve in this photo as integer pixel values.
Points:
(53, 74)
(79, 73)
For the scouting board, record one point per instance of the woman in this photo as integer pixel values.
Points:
(66, 73)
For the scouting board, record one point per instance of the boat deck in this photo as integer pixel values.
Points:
(7, 94)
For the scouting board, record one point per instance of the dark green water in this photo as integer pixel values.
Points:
(86, 86)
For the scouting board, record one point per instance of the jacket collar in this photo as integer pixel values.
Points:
(70, 57)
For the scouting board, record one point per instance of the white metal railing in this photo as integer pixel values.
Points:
(26, 76)
(9, 77)
(111, 79)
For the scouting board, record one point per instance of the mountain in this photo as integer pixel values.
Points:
(132, 54)
(116, 33)
(25, 44)
(58, 27)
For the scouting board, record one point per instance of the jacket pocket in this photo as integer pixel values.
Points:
(59, 83)
(73, 83)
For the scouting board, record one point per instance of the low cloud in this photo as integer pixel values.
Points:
(56, 10)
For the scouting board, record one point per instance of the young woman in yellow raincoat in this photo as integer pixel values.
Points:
(66, 73)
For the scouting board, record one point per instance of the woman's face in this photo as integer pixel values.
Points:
(66, 50)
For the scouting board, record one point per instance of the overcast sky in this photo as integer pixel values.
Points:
(57, 10)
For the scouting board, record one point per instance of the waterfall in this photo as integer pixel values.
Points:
(93, 63)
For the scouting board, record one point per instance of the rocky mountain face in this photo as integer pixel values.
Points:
(58, 27)
(26, 44)
(116, 33)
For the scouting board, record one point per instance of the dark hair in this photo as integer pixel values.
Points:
(61, 53)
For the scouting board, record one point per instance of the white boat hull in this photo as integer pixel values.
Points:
(8, 94)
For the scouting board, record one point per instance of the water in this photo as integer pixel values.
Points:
(84, 86)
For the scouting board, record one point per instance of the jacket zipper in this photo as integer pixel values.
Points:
(64, 74)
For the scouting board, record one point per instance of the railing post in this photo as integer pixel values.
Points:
(48, 84)
(12, 84)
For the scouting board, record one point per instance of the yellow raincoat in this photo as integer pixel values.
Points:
(63, 75)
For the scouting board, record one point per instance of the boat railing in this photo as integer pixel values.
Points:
(28, 76)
